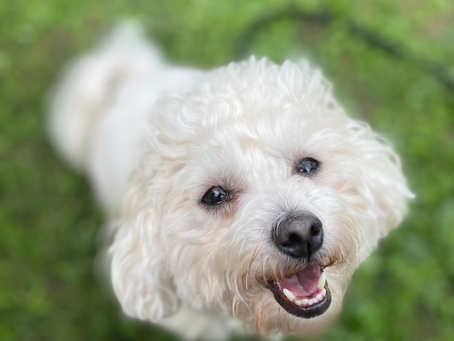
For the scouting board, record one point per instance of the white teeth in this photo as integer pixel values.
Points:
(322, 281)
(289, 294)
(305, 302)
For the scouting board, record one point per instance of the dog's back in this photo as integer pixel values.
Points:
(99, 110)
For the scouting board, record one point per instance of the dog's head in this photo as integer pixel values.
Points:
(258, 197)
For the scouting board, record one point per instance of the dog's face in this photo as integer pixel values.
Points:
(258, 197)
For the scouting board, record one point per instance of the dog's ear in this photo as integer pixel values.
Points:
(140, 276)
(380, 181)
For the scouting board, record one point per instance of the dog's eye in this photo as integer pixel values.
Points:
(215, 196)
(308, 166)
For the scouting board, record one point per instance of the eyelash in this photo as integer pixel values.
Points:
(226, 207)
(209, 198)
(309, 163)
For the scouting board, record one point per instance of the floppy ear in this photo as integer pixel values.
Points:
(140, 277)
(381, 182)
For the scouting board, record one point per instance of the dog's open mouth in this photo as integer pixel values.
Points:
(305, 294)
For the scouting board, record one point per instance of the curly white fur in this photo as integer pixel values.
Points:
(122, 113)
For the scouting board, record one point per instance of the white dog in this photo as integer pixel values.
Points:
(243, 198)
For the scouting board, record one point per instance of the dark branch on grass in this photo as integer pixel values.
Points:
(325, 19)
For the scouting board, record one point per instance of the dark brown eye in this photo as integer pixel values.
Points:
(214, 196)
(308, 166)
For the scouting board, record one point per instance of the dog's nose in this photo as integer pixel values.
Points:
(299, 235)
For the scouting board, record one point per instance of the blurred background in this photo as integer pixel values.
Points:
(391, 63)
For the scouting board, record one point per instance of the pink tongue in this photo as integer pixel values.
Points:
(303, 283)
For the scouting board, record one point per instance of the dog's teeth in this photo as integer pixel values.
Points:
(322, 281)
(289, 294)
(305, 302)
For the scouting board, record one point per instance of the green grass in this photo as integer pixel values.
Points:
(49, 223)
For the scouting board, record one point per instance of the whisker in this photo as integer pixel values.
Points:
(258, 318)
(234, 305)
(244, 280)
(279, 268)
(273, 274)
(255, 253)
(263, 268)
(277, 315)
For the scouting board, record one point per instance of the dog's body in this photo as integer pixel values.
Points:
(244, 198)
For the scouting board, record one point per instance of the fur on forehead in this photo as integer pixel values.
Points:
(233, 107)
(249, 97)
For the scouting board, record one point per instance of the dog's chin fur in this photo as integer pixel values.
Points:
(123, 113)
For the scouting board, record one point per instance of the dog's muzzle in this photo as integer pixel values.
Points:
(304, 293)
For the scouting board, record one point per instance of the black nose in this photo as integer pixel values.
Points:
(299, 235)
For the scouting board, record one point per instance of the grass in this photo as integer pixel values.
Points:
(49, 223)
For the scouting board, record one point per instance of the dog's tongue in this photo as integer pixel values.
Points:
(303, 283)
